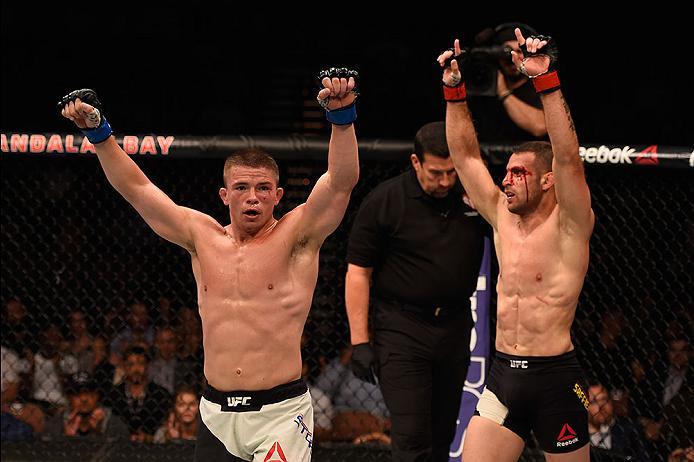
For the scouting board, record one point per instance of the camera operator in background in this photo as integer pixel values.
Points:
(502, 100)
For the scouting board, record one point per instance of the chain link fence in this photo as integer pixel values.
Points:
(85, 282)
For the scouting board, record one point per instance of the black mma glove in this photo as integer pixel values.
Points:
(98, 128)
(344, 115)
(547, 81)
(364, 362)
(453, 84)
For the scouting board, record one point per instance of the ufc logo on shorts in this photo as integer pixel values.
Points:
(518, 364)
(234, 401)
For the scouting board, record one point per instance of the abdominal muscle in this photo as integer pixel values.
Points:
(252, 344)
(533, 326)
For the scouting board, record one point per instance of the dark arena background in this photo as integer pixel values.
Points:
(185, 87)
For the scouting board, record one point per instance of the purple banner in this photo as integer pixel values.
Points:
(479, 348)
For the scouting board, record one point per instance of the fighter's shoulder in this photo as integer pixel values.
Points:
(197, 217)
(202, 223)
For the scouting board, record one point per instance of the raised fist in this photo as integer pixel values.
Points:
(339, 88)
(84, 109)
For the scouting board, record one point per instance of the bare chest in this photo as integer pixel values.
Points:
(528, 260)
(239, 272)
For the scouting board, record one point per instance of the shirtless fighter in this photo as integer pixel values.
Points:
(542, 223)
(255, 277)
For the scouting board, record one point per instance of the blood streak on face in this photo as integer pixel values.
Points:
(525, 180)
(520, 172)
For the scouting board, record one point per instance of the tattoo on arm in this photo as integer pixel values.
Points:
(568, 114)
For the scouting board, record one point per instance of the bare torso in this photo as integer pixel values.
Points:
(254, 298)
(542, 269)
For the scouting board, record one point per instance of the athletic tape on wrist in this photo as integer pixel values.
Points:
(342, 116)
(546, 83)
(454, 94)
(100, 133)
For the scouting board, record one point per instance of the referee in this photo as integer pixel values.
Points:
(414, 255)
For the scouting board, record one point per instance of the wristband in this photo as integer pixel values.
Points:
(455, 94)
(100, 133)
(343, 116)
(546, 83)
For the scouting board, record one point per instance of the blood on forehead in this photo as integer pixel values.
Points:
(520, 172)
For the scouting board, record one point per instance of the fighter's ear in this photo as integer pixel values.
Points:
(278, 195)
(547, 180)
(223, 196)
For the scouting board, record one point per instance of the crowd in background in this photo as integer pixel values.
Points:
(137, 374)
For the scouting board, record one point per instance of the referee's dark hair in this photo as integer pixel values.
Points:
(431, 139)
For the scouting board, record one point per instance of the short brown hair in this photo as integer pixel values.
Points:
(252, 157)
(543, 153)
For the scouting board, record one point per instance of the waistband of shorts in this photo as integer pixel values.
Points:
(255, 397)
(526, 362)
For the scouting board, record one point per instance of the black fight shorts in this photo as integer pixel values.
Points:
(545, 394)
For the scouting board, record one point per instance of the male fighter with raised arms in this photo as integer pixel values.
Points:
(255, 277)
(542, 223)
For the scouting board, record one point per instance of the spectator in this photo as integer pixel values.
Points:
(189, 332)
(676, 376)
(607, 357)
(182, 423)
(608, 431)
(162, 371)
(86, 416)
(18, 333)
(671, 427)
(13, 369)
(164, 314)
(141, 403)
(679, 373)
(138, 331)
(50, 367)
(677, 427)
(79, 341)
(101, 368)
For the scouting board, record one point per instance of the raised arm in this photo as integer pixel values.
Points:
(462, 140)
(571, 189)
(329, 198)
(167, 219)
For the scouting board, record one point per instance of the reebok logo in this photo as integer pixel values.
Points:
(275, 454)
(648, 156)
(567, 436)
(604, 155)
(518, 364)
(234, 401)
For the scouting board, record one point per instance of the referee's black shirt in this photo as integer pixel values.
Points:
(424, 251)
